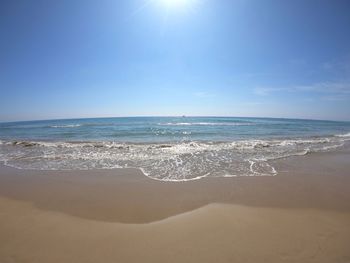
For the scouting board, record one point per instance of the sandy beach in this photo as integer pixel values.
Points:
(120, 215)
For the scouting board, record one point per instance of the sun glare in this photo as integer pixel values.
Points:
(176, 4)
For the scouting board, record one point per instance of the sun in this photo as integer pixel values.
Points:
(176, 4)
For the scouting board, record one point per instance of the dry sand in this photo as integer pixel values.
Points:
(301, 215)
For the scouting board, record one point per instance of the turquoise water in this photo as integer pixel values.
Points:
(167, 148)
(165, 129)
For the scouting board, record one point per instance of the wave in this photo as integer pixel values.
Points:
(108, 145)
(206, 124)
(66, 126)
(172, 161)
(346, 135)
(74, 125)
(239, 144)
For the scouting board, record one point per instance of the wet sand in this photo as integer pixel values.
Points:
(300, 215)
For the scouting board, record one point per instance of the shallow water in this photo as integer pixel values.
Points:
(167, 148)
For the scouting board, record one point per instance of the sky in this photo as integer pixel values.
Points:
(106, 58)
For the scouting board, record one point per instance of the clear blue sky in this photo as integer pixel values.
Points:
(83, 58)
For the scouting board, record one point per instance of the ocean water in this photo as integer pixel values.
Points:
(167, 148)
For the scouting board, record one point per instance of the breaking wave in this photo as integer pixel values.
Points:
(206, 124)
(66, 126)
(173, 161)
(344, 135)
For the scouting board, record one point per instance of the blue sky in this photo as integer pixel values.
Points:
(83, 58)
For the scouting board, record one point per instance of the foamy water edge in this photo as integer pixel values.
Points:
(248, 157)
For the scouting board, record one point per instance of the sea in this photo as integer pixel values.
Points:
(167, 148)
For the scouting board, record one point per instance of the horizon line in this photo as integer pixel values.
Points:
(174, 116)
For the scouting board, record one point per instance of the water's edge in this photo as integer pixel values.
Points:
(181, 161)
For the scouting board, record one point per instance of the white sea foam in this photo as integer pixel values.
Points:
(346, 135)
(66, 126)
(206, 124)
(261, 168)
(332, 147)
(180, 161)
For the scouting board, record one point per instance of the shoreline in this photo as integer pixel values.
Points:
(170, 161)
(318, 180)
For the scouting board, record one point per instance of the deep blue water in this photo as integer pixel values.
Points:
(167, 148)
